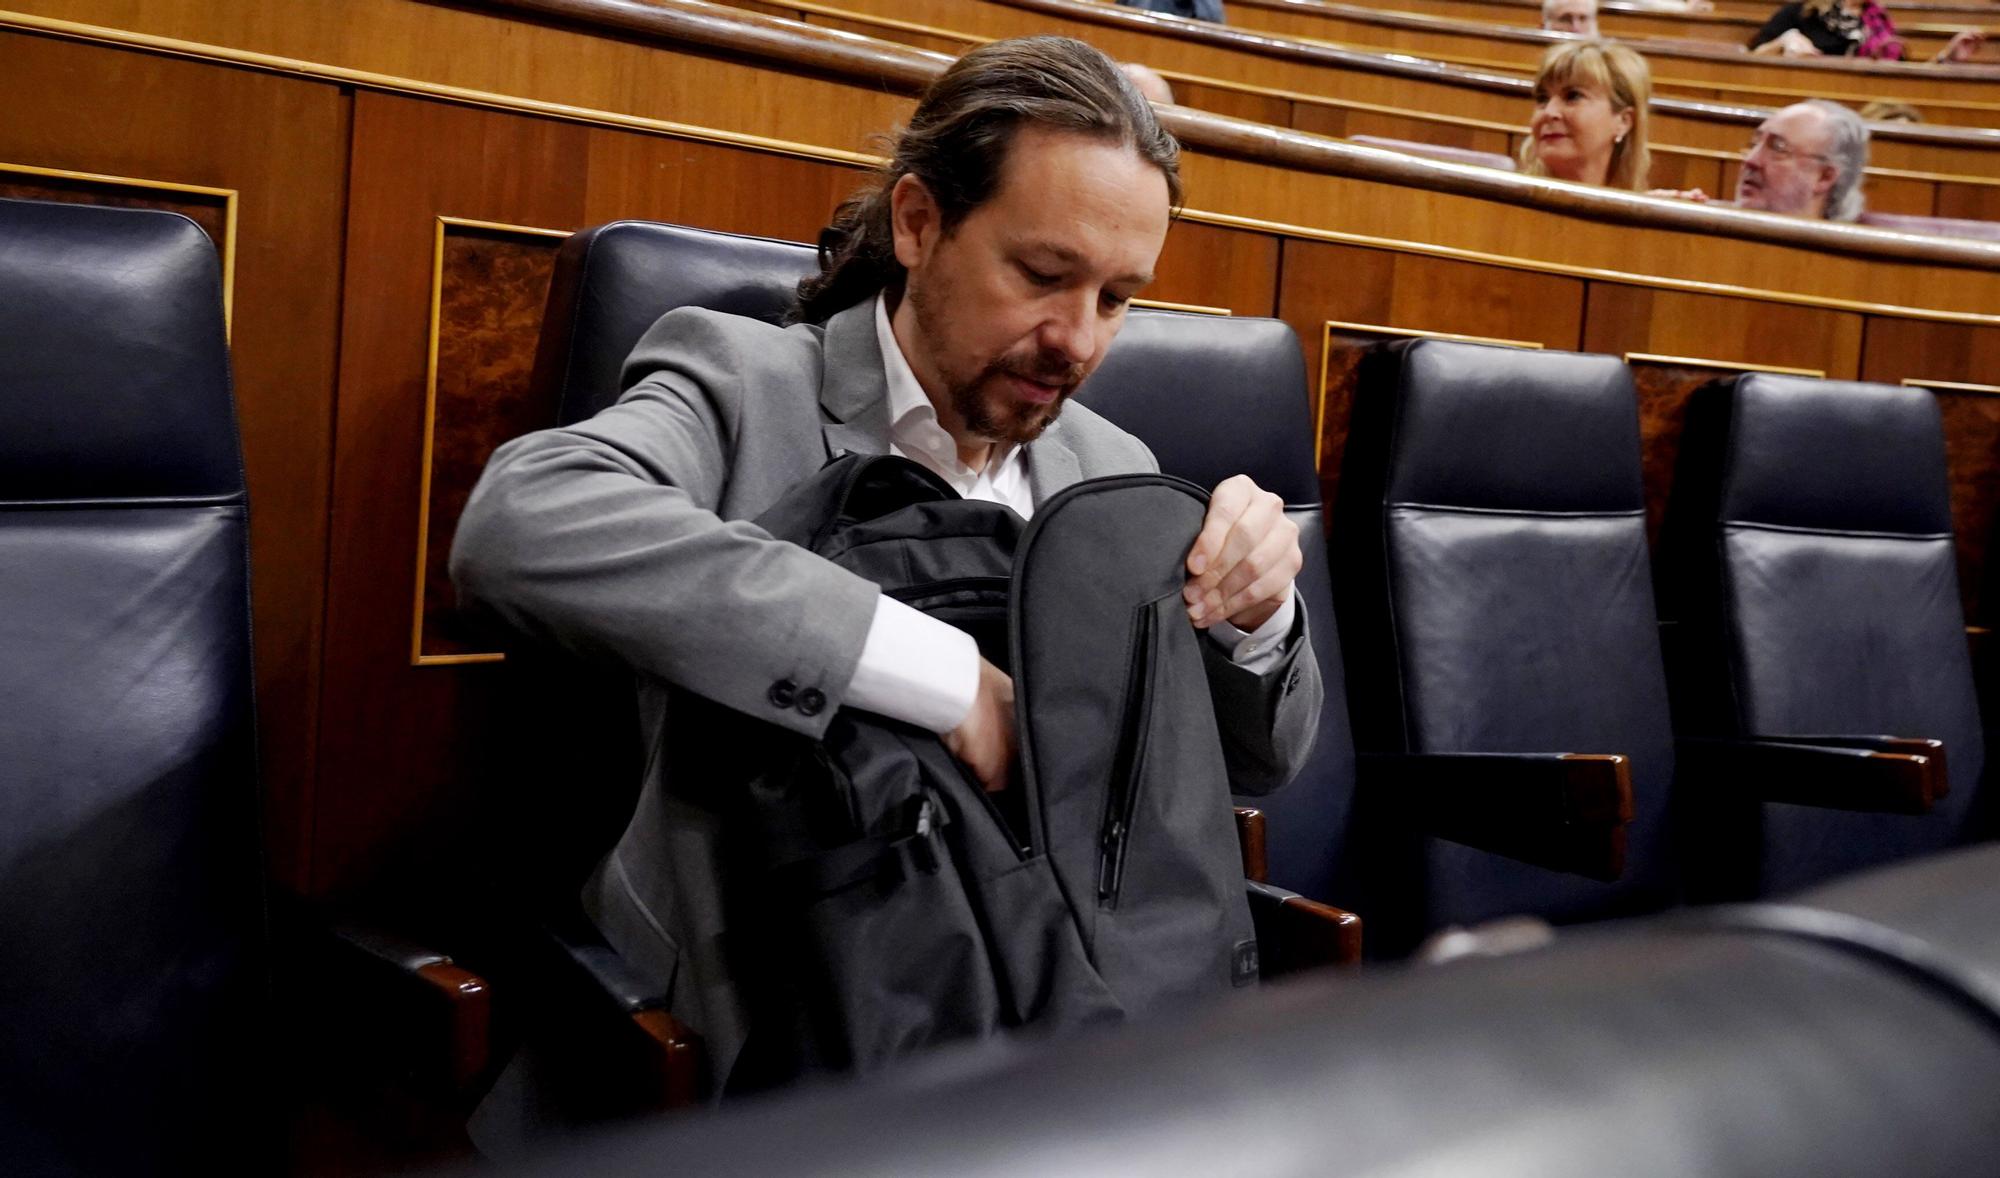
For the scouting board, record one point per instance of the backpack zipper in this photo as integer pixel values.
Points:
(1128, 761)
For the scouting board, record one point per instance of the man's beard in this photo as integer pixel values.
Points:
(1010, 419)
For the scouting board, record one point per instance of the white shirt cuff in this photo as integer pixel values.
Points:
(915, 668)
(1257, 651)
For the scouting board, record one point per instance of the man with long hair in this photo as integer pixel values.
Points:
(964, 295)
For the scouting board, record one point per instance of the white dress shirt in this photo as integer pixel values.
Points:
(925, 672)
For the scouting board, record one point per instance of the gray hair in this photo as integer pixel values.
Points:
(1847, 151)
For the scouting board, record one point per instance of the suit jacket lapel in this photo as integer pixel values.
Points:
(1052, 465)
(853, 393)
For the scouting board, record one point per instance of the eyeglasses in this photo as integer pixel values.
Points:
(1776, 147)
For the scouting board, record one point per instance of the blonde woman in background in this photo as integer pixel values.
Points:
(1591, 100)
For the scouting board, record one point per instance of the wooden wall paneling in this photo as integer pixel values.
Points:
(1734, 330)
(1689, 169)
(1208, 265)
(1379, 289)
(1972, 202)
(280, 144)
(1893, 193)
(396, 738)
(1961, 364)
(405, 736)
(1237, 103)
(492, 53)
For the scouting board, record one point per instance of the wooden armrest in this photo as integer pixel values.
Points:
(1562, 811)
(1882, 775)
(666, 1058)
(416, 993)
(1294, 933)
(1250, 840)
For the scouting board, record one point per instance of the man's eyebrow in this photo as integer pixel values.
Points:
(1069, 257)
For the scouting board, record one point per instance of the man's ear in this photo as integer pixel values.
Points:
(1828, 173)
(915, 219)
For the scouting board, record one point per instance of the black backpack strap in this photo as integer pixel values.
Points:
(884, 859)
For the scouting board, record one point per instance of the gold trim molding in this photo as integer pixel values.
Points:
(1726, 365)
(417, 656)
(229, 201)
(1190, 308)
(1955, 386)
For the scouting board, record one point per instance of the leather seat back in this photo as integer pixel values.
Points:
(1495, 595)
(131, 913)
(611, 283)
(1811, 561)
(1214, 396)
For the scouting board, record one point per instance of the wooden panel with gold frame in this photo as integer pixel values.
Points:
(1971, 414)
(61, 184)
(1663, 385)
(1383, 332)
(429, 562)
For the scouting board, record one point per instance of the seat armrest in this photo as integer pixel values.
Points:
(424, 994)
(1294, 933)
(1875, 774)
(1563, 811)
(665, 1055)
(1250, 840)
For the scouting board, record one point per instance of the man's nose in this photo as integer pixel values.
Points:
(1069, 331)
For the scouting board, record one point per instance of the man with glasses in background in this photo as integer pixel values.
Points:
(1804, 161)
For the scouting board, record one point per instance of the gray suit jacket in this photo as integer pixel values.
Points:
(626, 537)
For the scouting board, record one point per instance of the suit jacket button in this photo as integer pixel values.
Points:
(811, 700)
(783, 692)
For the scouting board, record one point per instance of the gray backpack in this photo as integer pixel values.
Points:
(880, 901)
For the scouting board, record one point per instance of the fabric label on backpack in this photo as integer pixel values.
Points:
(1243, 963)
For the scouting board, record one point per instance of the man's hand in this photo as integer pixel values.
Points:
(984, 741)
(1242, 564)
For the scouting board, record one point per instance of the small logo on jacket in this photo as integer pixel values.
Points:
(1243, 963)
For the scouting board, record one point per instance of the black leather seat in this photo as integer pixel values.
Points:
(1811, 570)
(1216, 396)
(131, 910)
(1856, 1033)
(1495, 598)
(602, 1043)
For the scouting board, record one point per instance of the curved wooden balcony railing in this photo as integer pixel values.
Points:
(1256, 58)
(784, 44)
(1923, 31)
(1957, 95)
(1905, 191)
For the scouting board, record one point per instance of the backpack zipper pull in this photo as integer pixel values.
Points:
(1110, 860)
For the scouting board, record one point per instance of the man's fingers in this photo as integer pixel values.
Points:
(1271, 566)
(1226, 504)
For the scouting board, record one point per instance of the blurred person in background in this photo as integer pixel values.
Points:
(1149, 82)
(1806, 160)
(1891, 112)
(1196, 9)
(1846, 28)
(1589, 126)
(1570, 16)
